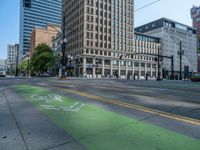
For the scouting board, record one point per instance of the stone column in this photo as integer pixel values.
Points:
(156, 70)
(84, 67)
(111, 67)
(133, 68)
(140, 70)
(151, 70)
(94, 68)
(126, 69)
(103, 67)
(119, 68)
(145, 69)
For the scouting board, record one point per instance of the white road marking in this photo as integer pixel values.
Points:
(48, 98)
(73, 108)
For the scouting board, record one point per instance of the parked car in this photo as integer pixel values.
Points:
(195, 77)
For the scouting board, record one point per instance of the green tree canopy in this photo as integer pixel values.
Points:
(43, 58)
(23, 65)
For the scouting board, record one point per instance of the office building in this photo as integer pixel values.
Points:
(99, 33)
(2, 64)
(12, 57)
(172, 34)
(36, 13)
(2, 68)
(45, 35)
(195, 15)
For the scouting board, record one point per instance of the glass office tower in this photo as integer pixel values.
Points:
(36, 13)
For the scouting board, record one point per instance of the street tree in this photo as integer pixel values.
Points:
(43, 59)
(23, 66)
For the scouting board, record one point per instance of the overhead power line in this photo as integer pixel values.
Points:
(147, 5)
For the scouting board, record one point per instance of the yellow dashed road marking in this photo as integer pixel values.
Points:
(135, 107)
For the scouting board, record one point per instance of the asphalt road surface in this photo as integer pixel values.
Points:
(52, 114)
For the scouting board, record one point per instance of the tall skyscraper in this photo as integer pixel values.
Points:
(36, 13)
(195, 14)
(99, 33)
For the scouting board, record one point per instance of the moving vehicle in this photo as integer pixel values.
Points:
(195, 77)
(2, 72)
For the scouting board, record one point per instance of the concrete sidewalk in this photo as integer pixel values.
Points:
(22, 127)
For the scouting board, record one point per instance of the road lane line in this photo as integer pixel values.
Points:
(131, 88)
(135, 107)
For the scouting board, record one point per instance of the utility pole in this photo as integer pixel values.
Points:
(28, 67)
(180, 53)
(172, 67)
(158, 78)
(63, 46)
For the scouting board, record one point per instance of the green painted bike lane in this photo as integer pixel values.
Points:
(100, 129)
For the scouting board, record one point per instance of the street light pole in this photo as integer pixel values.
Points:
(63, 58)
(180, 53)
(63, 46)
(28, 67)
(172, 67)
(158, 78)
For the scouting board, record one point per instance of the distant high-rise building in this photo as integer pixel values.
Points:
(2, 64)
(36, 13)
(195, 14)
(12, 57)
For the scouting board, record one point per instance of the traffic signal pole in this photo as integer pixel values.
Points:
(180, 54)
(158, 77)
(172, 67)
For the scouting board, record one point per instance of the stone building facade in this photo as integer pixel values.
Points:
(99, 33)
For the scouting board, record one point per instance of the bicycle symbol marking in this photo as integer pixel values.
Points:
(73, 108)
(48, 98)
(51, 98)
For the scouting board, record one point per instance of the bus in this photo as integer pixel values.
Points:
(2, 72)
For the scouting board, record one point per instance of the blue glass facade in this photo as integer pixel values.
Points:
(36, 13)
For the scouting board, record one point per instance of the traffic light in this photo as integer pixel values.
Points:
(121, 57)
(155, 59)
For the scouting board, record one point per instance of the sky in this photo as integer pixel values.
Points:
(178, 10)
